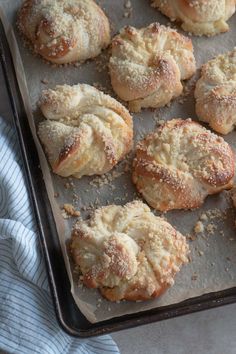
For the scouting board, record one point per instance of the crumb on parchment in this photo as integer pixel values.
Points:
(44, 81)
(69, 211)
(199, 227)
(206, 223)
(127, 9)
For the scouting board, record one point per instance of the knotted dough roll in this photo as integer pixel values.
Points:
(85, 132)
(215, 93)
(148, 64)
(201, 17)
(64, 31)
(127, 252)
(179, 164)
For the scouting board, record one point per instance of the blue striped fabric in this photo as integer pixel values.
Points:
(27, 319)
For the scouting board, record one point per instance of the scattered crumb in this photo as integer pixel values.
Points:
(203, 217)
(215, 214)
(206, 224)
(99, 86)
(75, 197)
(77, 64)
(92, 206)
(128, 9)
(191, 237)
(160, 122)
(45, 81)
(194, 277)
(101, 61)
(210, 228)
(56, 195)
(76, 270)
(199, 227)
(80, 285)
(128, 4)
(64, 215)
(69, 185)
(222, 233)
(106, 179)
(69, 210)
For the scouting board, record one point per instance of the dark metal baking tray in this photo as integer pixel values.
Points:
(69, 316)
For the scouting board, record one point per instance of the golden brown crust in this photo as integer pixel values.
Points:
(215, 93)
(64, 31)
(201, 17)
(181, 163)
(148, 64)
(127, 252)
(86, 131)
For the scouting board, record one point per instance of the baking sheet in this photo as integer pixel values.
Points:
(212, 264)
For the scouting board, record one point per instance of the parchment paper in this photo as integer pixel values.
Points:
(212, 265)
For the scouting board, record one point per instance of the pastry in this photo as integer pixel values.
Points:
(148, 64)
(127, 252)
(200, 17)
(179, 164)
(215, 93)
(85, 132)
(64, 31)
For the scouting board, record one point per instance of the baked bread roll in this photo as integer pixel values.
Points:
(148, 64)
(127, 252)
(200, 17)
(179, 164)
(86, 131)
(64, 31)
(215, 93)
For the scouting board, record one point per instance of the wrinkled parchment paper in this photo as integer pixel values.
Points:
(213, 263)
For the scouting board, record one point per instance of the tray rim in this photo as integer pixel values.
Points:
(191, 305)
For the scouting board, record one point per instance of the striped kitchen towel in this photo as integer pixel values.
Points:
(27, 319)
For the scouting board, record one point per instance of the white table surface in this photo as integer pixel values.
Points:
(208, 332)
